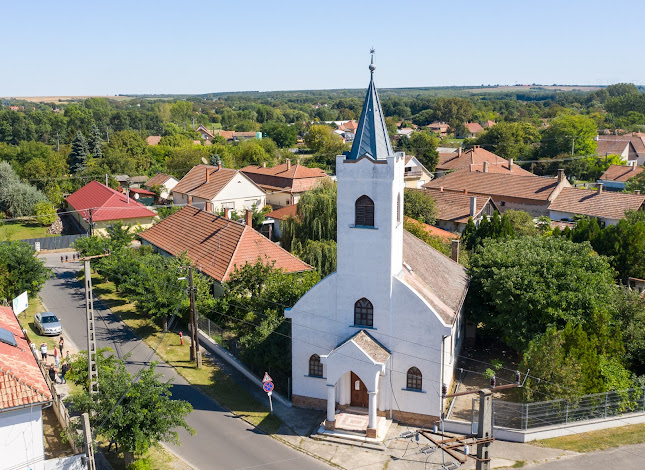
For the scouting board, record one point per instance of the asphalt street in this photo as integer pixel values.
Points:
(222, 441)
(624, 458)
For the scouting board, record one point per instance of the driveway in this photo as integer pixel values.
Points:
(222, 441)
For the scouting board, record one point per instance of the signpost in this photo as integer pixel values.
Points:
(20, 303)
(267, 386)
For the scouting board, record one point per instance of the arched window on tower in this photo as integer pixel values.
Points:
(364, 212)
(315, 366)
(414, 379)
(363, 313)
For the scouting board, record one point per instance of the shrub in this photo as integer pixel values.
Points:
(45, 213)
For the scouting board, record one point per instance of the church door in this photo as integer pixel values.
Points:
(359, 392)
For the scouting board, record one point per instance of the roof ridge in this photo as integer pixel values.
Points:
(22, 381)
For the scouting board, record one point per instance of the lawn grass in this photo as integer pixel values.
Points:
(597, 440)
(26, 319)
(23, 230)
(210, 379)
(159, 458)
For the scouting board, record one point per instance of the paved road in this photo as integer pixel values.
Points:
(623, 458)
(222, 441)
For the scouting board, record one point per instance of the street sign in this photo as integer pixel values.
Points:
(20, 303)
(267, 378)
(267, 387)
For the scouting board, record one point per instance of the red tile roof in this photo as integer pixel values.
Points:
(455, 207)
(284, 212)
(637, 139)
(216, 244)
(107, 204)
(434, 231)
(296, 177)
(142, 191)
(153, 139)
(194, 182)
(473, 160)
(607, 204)
(537, 188)
(473, 127)
(158, 179)
(21, 380)
(621, 173)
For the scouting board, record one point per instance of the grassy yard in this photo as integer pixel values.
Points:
(597, 440)
(209, 378)
(26, 319)
(22, 231)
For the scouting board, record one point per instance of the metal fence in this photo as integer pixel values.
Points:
(525, 416)
(53, 243)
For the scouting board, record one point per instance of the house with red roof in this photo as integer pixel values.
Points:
(471, 130)
(217, 245)
(615, 177)
(273, 221)
(164, 182)
(23, 395)
(96, 207)
(284, 183)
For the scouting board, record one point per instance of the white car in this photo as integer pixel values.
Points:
(48, 324)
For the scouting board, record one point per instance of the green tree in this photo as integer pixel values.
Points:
(420, 206)
(22, 270)
(45, 213)
(95, 142)
(120, 235)
(321, 254)
(559, 137)
(454, 111)
(322, 139)
(509, 139)
(283, 135)
(80, 153)
(630, 307)
(522, 222)
(423, 145)
(180, 112)
(17, 199)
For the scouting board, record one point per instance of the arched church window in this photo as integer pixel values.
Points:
(364, 211)
(315, 366)
(414, 379)
(363, 313)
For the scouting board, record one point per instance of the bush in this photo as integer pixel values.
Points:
(45, 213)
(141, 464)
(420, 206)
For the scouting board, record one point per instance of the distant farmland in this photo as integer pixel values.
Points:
(64, 99)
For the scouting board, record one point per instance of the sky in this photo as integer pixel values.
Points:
(170, 47)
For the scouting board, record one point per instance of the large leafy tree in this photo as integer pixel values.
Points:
(567, 131)
(423, 145)
(509, 139)
(21, 270)
(136, 413)
(420, 206)
(282, 134)
(17, 199)
(80, 153)
(521, 286)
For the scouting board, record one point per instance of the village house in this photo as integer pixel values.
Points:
(23, 395)
(454, 209)
(216, 245)
(205, 133)
(96, 207)
(631, 147)
(384, 330)
(488, 124)
(273, 221)
(532, 194)
(164, 182)
(615, 177)
(432, 230)
(439, 128)
(476, 159)
(415, 174)
(606, 206)
(214, 188)
(471, 129)
(284, 183)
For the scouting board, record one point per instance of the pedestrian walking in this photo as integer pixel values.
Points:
(52, 373)
(43, 351)
(63, 371)
(61, 342)
(56, 358)
(181, 338)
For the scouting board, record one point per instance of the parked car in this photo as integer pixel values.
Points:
(48, 324)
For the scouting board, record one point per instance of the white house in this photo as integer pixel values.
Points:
(166, 184)
(383, 331)
(213, 188)
(23, 394)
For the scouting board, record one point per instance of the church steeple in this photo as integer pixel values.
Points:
(371, 138)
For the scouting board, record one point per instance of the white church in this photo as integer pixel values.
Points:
(384, 330)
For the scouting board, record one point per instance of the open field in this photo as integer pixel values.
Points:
(63, 99)
(516, 88)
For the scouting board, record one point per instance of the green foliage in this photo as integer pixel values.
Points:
(164, 212)
(141, 464)
(420, 206)
(95, 142)
(283, 135)
(120, 235)
(509, 139)
(80, 153)
(137, 413)
(321, 254)
(20, 270)
(423, 145)
(417, 229)
(522, 222)
(558, 137)
(521, 286)
(494, 228)
(630, 308)
(17, 199)
(324, 143)
(45, 213)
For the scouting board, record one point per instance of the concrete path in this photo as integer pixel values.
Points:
(623, 458)
(222, 441)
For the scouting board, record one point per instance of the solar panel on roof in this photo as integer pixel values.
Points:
(7, 337)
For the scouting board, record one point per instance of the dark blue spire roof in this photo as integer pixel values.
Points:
(371, 138)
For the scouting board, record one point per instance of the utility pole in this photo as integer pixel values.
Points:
(573, 145)
(57, 142)
(194, 337)
(484, 429)
(91, 223)
(89, 447)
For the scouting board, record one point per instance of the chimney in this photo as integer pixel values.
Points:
(473, 206)
(440, 189)
(298, 161)
(288, 162)
(264, 164)
(633, 168)
(190, 200)
(219, 165)
(455, 251)
(600, 185)
(510, 165)
(207, 173)
(208, 207)
(637, 191)
(227, 213)
(485, 167)
(465, 191)
(459, 152)
(248, 218)
(561, 176)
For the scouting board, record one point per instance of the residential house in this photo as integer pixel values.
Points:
(23, 395)
(349, 126)
(488, 124)
(143, 196)
(532, 194)
(273, 221)
(455, 208)
(415, 174)
(615, 177)
(476, 159)
(472, 129)
(164, 182)
(433, 231)
(606, 206)
(631, 147)
(96, 207)
(385, 328)
(205, 133)
(284, 183)
(439, 128)
(233, 136)
(216, 244)
(214, 188)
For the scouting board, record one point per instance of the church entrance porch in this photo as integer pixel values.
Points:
(359, 395)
